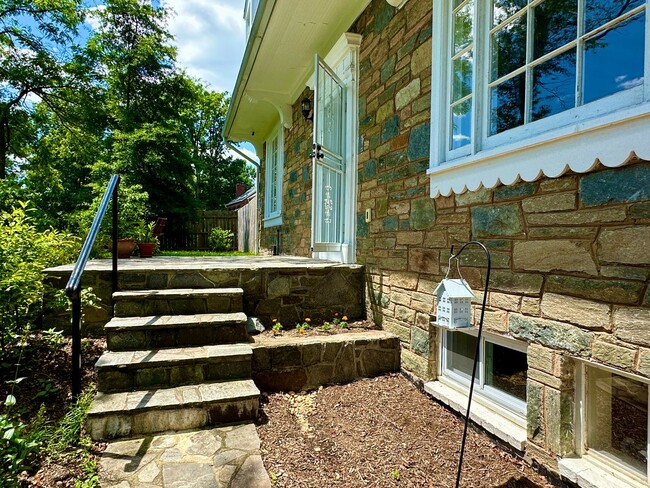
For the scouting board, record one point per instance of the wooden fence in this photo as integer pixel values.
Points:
(247, 227)
(196, 237)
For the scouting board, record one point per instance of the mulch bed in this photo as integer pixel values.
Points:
(317, 330)
(42, 367)
(380, 432)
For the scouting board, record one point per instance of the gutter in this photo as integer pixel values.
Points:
(234, 148)
(248, 61)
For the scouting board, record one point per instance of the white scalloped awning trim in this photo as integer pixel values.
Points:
(613, 141)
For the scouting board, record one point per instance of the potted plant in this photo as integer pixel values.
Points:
(146, 241)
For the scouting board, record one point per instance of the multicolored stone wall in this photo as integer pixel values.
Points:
(295, 231)
(570, 255)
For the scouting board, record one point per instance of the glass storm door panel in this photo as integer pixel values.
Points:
(327, 158)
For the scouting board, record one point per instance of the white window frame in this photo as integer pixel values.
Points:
(602, 460)
(607, 130)
(512, 407)
(273, 216)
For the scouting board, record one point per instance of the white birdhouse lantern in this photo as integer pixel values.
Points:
(454, 303)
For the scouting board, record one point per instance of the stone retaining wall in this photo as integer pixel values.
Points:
(294, 364)
(288, 294)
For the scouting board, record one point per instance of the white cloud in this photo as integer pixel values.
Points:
(623, 83)
(210, 35)
(247, 150)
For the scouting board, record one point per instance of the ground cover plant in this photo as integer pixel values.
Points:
(380, 432)
(39, 421)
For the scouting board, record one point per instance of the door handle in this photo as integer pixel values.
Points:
(317, 152)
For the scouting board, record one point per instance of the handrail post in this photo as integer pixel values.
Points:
(114, 230)
(76, 346)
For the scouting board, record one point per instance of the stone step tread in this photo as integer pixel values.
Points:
(172, 321)
(179, 397)
(174, 293)
(173, 357)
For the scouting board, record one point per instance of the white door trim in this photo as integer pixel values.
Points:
(344, 60)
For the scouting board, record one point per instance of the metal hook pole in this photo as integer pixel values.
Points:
(478, 348)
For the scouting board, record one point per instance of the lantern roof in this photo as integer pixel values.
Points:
(457, 288)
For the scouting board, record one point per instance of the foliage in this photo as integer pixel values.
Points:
(301, 328)
(24, 253)
(277, 326)
(340, 322)
(132, 211)
(19, 445)
(205, 253)
(145, 233)
(221, 239)
(326, 326)
(39, 61)
(22, 445)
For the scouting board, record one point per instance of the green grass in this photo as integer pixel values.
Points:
(203, 253)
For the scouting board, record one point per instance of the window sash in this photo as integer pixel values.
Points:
(481, 139)
(274, 169)
(604, 458)
(503, 399)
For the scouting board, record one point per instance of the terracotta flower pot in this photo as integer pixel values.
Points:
(125, 248)
(146, 249)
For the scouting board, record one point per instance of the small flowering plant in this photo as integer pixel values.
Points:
(277, 327)
(301, 328)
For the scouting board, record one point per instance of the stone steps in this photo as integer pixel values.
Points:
(163, 331)
(125, 414)
(164, 368)
(182, 301)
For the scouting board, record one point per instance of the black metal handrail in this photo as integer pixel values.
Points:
(73, 288)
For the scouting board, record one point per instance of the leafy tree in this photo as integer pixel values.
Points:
(216, 172)
(35, 63)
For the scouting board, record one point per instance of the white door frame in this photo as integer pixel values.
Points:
(343, 58)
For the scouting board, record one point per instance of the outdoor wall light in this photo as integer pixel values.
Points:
(305, 108)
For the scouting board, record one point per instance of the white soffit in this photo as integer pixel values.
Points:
(285, 60)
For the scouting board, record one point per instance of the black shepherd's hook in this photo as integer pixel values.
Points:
(478, 346)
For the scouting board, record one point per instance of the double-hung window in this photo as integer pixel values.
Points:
(502, 368)
(613, 427)
(512, 74)
(274, 166)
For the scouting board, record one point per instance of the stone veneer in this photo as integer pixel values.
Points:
(570, 255)
(287, 289)
(295, 231)
(294, 364)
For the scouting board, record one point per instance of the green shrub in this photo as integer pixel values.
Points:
(221, 239)
(24, 253)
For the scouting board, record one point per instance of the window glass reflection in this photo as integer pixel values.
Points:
(463, 27)
(503, 9)
(508, 48)
(461, 124)
(462, 83)
(461, 349)
(614, 59)
(507, 102)
(554, 85)
(556, 24)
(617, 415)
(599, 12)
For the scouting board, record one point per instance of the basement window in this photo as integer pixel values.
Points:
(502, 368)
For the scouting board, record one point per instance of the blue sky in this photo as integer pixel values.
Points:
(211, 37)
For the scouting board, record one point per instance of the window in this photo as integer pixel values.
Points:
(515, 73)
(250, 7)
(615, 421)
(274, 168)
(501, 371)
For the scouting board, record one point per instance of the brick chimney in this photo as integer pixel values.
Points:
(239, 189)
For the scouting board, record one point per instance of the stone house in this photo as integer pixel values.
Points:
(390, 130)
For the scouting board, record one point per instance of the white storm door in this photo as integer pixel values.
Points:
(328, 160)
